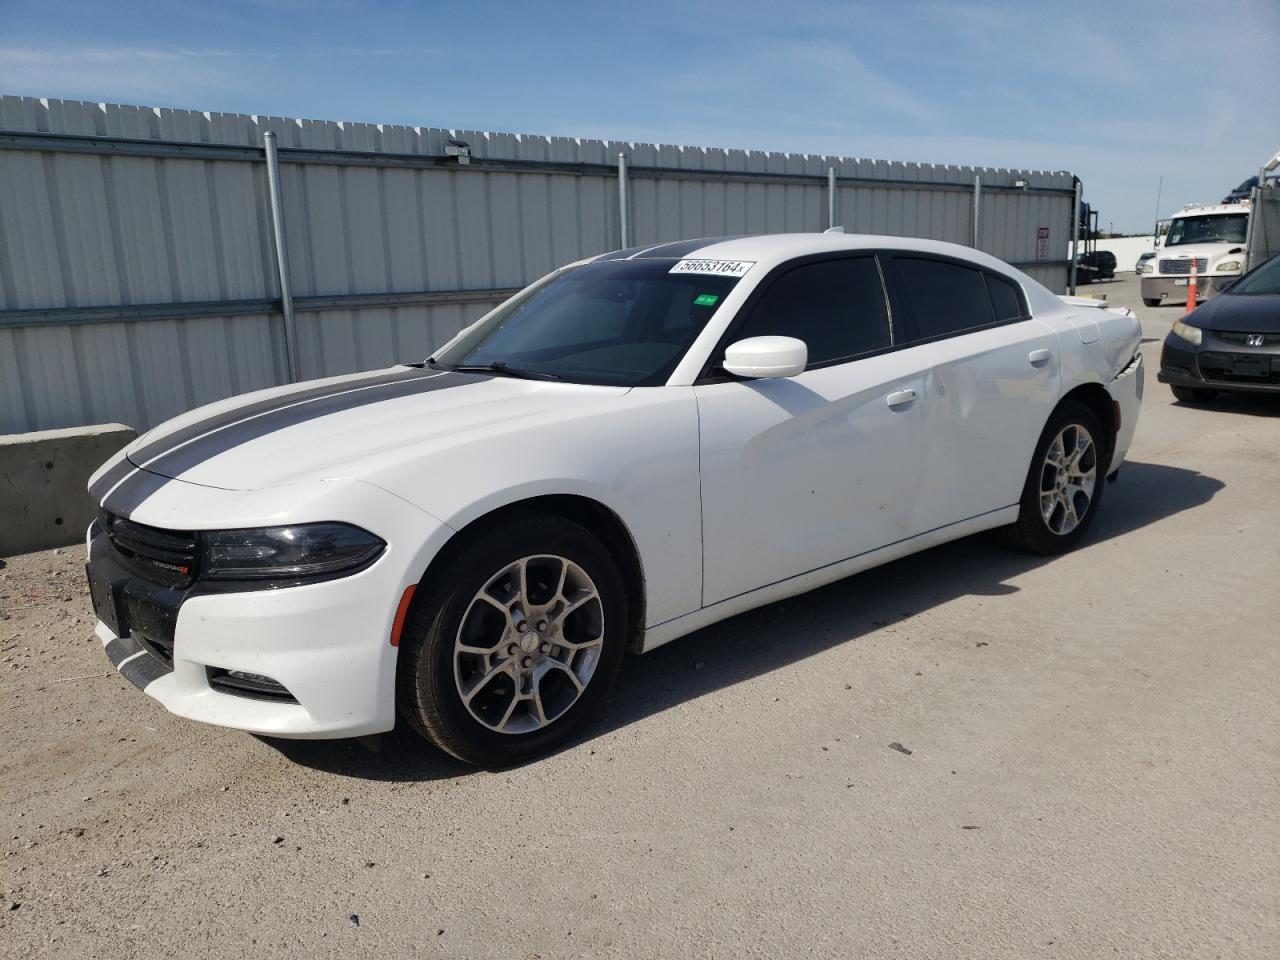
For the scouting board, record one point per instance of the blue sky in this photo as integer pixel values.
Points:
(1118, 93)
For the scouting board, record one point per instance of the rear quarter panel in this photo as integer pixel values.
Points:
(1097, 346)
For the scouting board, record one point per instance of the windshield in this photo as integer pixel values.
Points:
(619, 322)
(1219, 228)
(1265, 279)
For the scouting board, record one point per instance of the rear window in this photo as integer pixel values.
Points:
(1004, 298)
(945, 298)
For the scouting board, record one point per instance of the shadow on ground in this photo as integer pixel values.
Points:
(782, 633)
(1249, 404)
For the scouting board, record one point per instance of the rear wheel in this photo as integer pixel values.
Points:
(1151, 301)
(511, 652)
(1193, 394)
(1065, 484)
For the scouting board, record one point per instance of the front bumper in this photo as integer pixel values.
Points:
(328, 643)
(1212, 366)
(1174, 288)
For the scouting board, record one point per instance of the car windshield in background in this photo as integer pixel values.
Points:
(1266, 279)
(1223, 228)
(618, 322)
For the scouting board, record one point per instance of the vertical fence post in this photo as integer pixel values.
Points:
(977, 208)
(1075, 238)
(831, 197)
(282, 257)
(623, 226)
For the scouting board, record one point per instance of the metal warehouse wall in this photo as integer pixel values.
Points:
(137, 264)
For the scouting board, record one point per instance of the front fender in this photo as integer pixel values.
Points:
(636, 455)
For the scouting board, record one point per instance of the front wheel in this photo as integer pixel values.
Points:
(1193, 394)
(1151, 301)
(1065, 484)
(511, 651)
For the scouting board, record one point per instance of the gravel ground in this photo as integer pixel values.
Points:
(1091, 767)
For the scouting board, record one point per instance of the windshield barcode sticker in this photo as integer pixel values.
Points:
(721, 268)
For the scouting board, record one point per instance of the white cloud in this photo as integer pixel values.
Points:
(842, 79)
(119, 55)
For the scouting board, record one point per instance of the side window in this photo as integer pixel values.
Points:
(835, 306)
(1004, 298)
(945, 298)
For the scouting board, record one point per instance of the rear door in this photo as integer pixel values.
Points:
(992, 377)
(803, 472)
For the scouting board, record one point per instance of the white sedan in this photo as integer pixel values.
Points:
(633, 447)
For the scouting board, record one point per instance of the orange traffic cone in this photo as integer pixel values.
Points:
(1191, 287)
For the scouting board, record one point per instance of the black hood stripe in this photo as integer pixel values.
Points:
(105, 483)
(199, 441)
(237, 414)
(210, 444)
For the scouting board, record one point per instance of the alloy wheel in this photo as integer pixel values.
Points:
(528, 644)
(1067, 479)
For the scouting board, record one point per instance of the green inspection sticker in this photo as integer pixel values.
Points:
(706, 300)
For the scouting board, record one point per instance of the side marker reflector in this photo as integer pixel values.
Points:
(402, 611)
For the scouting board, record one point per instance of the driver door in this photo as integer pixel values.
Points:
(803, 472)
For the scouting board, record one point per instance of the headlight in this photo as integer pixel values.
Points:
(1148, 267)
(1187, 332)
(286, 553)
(1228, 266)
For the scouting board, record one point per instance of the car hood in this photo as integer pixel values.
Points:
(1240, 312)
(348, 428)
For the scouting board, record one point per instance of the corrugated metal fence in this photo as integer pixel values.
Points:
(1264, 224)
(137, 265)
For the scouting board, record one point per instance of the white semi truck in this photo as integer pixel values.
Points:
(1214, 236)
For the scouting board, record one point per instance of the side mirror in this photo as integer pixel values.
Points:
(760, 357)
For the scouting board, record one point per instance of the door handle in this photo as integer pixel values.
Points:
(900, 398)
(1039, 358)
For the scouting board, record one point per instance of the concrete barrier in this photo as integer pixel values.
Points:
(43, 502)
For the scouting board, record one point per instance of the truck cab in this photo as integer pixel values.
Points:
(1214, 237)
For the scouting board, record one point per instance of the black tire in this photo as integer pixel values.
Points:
(1193, 394)
(1031, 532)
(428, 696)
(1151, 301)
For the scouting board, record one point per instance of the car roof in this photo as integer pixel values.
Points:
(774, 248)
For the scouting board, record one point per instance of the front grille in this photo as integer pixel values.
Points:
(164, 556)
(1181, 267)
(1222, 367)
(1268, 339)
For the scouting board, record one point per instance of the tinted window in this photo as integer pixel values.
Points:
(1004, 298)
(944, 297)
(835, 306)
(614, 322)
